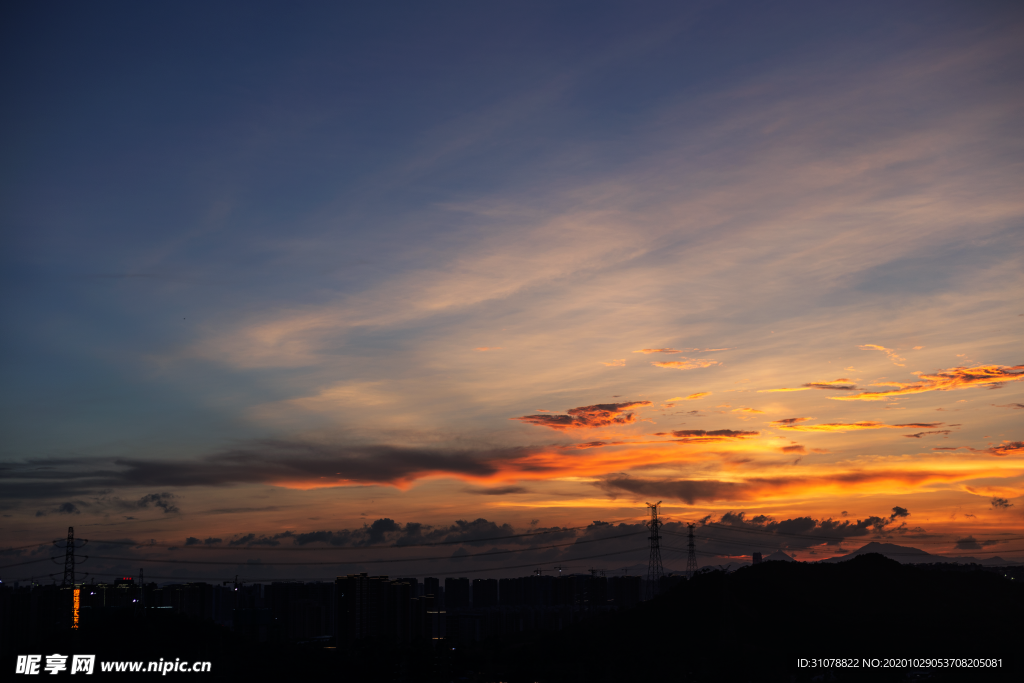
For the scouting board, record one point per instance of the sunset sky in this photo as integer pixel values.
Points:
(291, 269)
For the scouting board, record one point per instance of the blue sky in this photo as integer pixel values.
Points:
(271, 230)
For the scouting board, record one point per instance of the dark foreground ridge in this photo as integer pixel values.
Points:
(754, 624)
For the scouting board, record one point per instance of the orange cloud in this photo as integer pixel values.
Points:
(1008, 448)
(791, 424)
(691, 491)
(841, 384)
(705, 436)
(995, 491)
(688, 364)
(945, 380)
(679, 350)
(615, 363)
(746, 410)
(789, 421)
(587, 417)
(691, 397)
(889, 352)
(487, 348)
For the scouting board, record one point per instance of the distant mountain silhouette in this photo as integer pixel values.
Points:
(778, 555)
(899, 553)
(908, 555)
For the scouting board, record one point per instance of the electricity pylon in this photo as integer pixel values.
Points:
(691, 555)
(654, 566)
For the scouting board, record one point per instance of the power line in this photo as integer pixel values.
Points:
(461, 571)
(826, 538)
(987, 552)
(778, 546)
(717, 525)
(681, 551)
(18, 564)
(356, 561)
(686, 551)
(181, 546)
(748, 544)
(34, 545)
(69, 559)
(517, 550)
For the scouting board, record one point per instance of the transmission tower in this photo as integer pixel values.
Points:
(69, 560)
(140, 606)
(69, 576)
(691, 555)
(654, 567)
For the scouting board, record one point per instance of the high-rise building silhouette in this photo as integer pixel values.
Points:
(485, 593)
(414, 584)
(432, 586)
(456, 593)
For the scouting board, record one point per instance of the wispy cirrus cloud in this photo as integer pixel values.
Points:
(891, 353)
(841, 384)
(649, 351)
(921, 434)
(588, 417)
(1004, 449)
(793, 424)
(945, 380)
(691, 397)
(687, 364)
